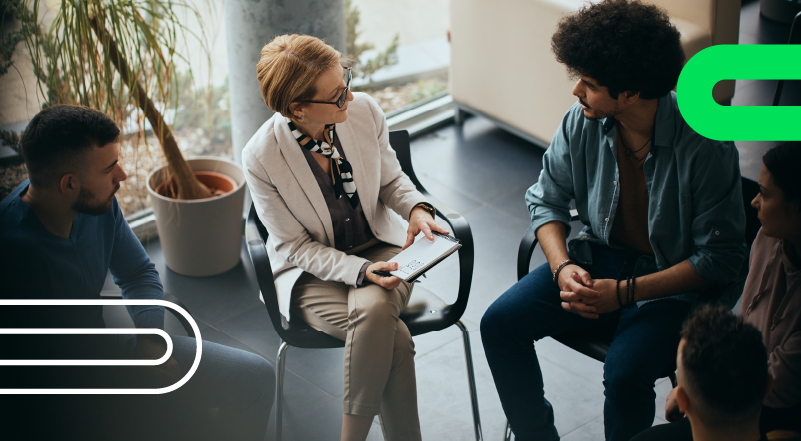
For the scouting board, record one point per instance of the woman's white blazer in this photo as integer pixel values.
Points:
(291, 206)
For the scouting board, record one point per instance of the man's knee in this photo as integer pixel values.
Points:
(493, 322)
(499, 322)
(253, 376)
(255, 367)
(624, 381)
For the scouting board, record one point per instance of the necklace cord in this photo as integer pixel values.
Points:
(629, 151)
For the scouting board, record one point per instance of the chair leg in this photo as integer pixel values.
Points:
(471, 380)
(279, 389)
(507, 434)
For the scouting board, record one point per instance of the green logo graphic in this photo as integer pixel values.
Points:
(739, 62)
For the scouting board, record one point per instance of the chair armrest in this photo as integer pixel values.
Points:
(459, 226)
(525, 251)
(527, 245)
(170, 298)
(461, 230)
(184, 322)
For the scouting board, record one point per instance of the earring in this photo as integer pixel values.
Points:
(301, 117)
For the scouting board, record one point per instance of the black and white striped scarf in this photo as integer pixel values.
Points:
(326, 148)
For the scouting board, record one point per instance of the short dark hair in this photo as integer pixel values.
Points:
(725, 365)
(58, 135)
(624, 45)
(782, 162)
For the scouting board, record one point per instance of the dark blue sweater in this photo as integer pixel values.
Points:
(37, 264)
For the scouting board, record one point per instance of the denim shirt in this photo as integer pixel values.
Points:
(695, 207)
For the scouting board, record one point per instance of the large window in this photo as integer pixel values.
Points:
(399, 51)
(403, 57)
(414, 35)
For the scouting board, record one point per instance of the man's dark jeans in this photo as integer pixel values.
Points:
(643, 350)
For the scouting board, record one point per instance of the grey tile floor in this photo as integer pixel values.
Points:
(482, 172)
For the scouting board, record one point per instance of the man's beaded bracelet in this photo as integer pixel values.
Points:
(559, 268)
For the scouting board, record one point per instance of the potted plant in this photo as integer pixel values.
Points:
(120, 57)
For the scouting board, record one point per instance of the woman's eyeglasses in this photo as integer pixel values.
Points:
(343, 96)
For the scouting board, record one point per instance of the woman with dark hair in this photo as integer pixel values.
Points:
(771, 298)
(772, 295)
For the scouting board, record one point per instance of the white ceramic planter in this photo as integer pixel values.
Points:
(201, 237)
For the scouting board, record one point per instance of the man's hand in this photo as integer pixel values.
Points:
(389, 283)
(672, 412)
(590, 306)
(421, 220)
(148, 349)
(574, 280)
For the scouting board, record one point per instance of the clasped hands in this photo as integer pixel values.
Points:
(419, 220)
(588, 297)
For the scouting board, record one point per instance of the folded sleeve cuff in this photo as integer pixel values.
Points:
(362, 273)
(541, 216)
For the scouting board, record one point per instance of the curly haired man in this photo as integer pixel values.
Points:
(663, 222)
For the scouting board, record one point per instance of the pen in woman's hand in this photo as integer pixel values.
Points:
(382, 273)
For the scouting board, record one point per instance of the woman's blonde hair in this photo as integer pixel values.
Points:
(289, 67)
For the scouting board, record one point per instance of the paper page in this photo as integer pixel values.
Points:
(419, 254)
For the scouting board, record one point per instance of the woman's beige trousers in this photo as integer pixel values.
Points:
(379, 351)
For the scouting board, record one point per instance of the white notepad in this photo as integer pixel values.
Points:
(423, 254)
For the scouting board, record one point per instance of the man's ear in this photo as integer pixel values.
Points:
(68, 185)
(630, 97)
(682, 399)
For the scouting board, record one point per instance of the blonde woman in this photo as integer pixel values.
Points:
(325, 183)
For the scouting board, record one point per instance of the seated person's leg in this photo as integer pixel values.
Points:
(644, 350)
(530, 310)
(241, 385)
(379, 351)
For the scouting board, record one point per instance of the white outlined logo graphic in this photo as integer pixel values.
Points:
(84, 331)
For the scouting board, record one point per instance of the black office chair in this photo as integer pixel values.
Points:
(425, 313)
(595, 341)
(795, 38)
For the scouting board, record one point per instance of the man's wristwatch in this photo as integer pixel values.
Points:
(427, 207)
(559, 268)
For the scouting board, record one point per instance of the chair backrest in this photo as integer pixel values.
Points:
(297, 333)
(795, 38)
(256, 236)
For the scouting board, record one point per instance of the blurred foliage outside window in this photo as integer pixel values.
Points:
(199, 114)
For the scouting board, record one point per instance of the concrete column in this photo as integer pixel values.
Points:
(250, 24)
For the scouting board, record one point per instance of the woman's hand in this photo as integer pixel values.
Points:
(421, 220)
(389, 283)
